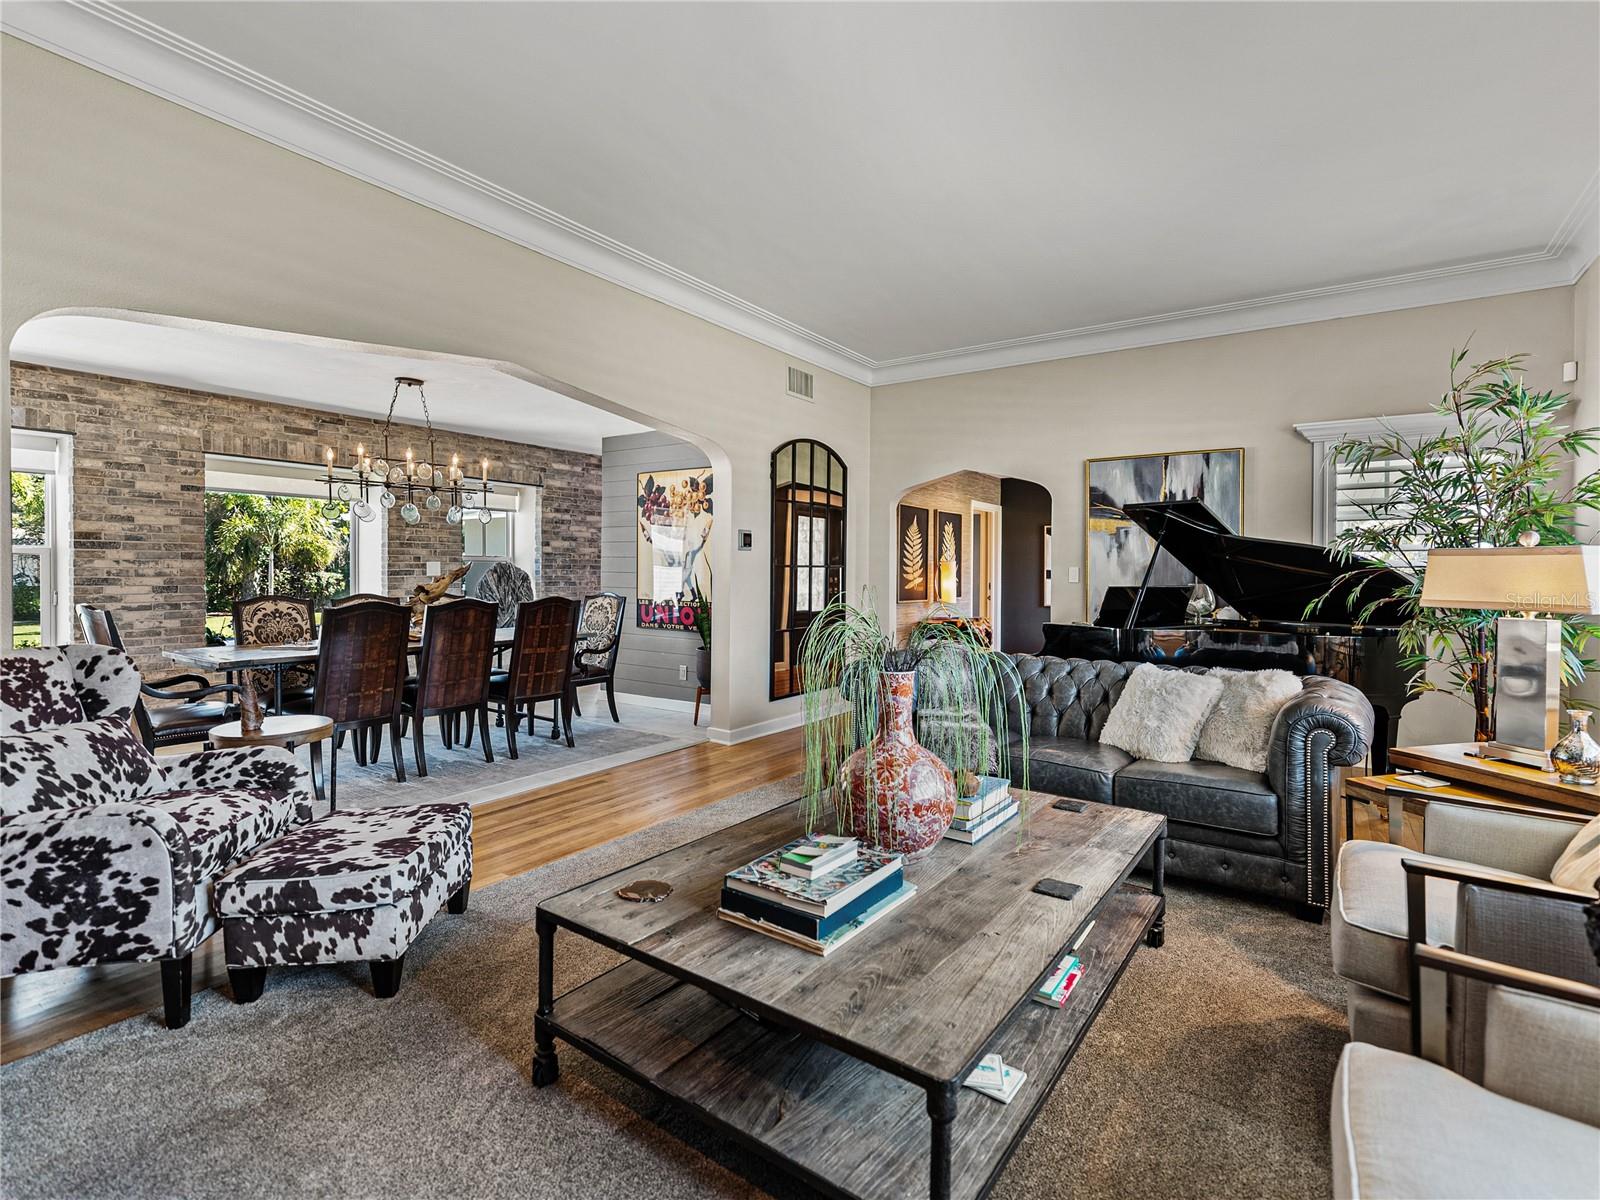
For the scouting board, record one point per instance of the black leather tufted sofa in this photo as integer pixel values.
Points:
(1267, 833)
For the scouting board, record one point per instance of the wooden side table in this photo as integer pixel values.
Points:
(1458, 763)
(1469, 778)
(287, 731)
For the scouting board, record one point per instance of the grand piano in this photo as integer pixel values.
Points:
(1269, 584)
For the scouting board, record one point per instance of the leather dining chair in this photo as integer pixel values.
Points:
(452, 679)
(202, 705)
(541, 669)
(361, 677)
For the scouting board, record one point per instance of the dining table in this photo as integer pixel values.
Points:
(228, 657)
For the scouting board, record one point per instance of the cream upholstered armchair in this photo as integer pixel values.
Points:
(1529, 1125)
(1481, 886)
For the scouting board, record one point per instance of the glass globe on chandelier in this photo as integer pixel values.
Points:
(413, 485)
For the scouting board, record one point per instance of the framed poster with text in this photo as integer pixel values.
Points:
(674, 571)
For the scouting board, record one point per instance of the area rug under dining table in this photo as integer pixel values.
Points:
(460, 773)
(1210, 1067)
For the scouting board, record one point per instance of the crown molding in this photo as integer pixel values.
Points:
(1559, 265)
(116, 42)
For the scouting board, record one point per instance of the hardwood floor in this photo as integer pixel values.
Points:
(510, 836)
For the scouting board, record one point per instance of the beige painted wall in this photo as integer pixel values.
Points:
(116, 199)
(1041, 421)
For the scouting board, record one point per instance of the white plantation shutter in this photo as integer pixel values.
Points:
(1357, 495)
(1340, 496)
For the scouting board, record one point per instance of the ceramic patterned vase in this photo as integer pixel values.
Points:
(902, 797)
(1576, 757)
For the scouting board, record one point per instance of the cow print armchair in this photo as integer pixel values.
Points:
(107, 853)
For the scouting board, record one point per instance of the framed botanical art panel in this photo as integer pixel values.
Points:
(674, 571)
(1116, 552)
(947, 556)
(911, 556)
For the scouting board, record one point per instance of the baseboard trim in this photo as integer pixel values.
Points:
(749, 733)
(667, 702)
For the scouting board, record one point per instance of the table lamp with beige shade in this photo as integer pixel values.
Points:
(1523, 580)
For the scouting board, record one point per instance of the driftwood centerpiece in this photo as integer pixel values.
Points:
(425, 594)
(251, 716)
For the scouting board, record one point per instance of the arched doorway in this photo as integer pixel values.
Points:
(809, 521)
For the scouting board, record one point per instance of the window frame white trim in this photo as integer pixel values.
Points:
(369, 540)
(1325, 435)
(49, 453)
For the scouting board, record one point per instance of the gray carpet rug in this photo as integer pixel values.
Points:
(1208, 1073)
(461, 774)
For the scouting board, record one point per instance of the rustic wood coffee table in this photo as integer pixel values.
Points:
(847, 1070)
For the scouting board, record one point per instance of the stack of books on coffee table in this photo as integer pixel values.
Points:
(979, 815)
(815, 893)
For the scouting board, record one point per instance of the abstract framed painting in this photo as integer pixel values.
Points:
(1116, 552)
(947, 556)
(911, 554)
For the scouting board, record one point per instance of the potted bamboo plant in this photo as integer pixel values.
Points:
(1495, 475)
(892, 731)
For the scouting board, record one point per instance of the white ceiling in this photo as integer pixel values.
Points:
(470, 397)
(883, 184)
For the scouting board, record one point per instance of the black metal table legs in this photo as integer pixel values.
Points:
(1158, 887)
(317, 774)
(942, 1116)
(545, 1068)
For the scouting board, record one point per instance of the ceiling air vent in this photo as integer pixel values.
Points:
(800, 384)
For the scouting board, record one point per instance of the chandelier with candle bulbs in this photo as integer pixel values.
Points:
(405, 481)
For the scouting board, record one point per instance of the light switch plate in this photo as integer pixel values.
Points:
(1072, 574)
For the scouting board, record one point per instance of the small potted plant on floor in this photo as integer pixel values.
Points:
(891, 729)
(702, 626)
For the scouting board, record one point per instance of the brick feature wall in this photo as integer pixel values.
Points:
(138, 524)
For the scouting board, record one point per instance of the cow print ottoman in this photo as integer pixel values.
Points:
(354, 886)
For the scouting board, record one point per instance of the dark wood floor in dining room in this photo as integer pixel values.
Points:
(510, 836)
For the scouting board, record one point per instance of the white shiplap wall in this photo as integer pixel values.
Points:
(650, 658)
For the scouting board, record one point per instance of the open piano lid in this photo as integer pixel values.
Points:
(1265, 580)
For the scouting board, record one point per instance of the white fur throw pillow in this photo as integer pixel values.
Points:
(1239, 728)
(1160, 713)
(1578, 867)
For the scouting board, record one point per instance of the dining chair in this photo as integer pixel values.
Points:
(371, 746)
(272, 621)
(541, 669)
(452, 677)
(599, 640)
(192, 718)
(509, 587)
(361, 677)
